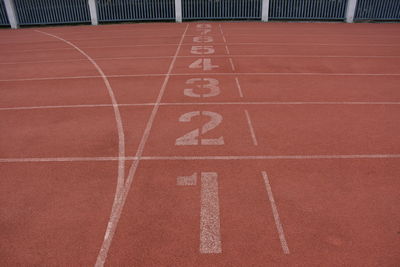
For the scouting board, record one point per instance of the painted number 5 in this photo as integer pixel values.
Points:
(202, 50)
(192, 138)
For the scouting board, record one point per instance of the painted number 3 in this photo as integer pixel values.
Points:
(211, 85)
(193, 138)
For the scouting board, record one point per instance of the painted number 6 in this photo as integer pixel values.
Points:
(192, 138)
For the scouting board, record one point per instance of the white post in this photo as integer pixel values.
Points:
(11, 13)
(178, 10)
(93, 12)
(265, 10)
(350, 10)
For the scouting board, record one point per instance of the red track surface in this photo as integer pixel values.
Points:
(314, 107)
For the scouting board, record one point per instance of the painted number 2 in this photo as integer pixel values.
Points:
(193, 138)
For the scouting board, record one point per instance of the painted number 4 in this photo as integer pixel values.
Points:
(203, 63)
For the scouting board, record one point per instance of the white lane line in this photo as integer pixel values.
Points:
(190, 44)
(65, 159)
(255, 34)
(227, 52)
(232, 65)
(161, 158)
(239, 87)
(77, 60)
(199, 103)
(203, 74)
(277, 157)
(82, 77)
(250, 124)
(210, 237)
(193, 56)
(74, 106)
(117, 114)
(278, 223)
(121, 196)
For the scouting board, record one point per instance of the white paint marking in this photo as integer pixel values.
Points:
(277, 157)
(223, 38)
(260, 157)
(278, 223)
(203, 39)
(199, 103)
(192, 138)
(239, 87)
(197, 51)
(187, 180)
(232, 65)
(203, 63)
(210, 237)
(65, 159)
(121, 196)
(253, 135)
(117, 115)
(202, 50)
(207, 63)
(196, 41)
(227, 50)
(212, 85)
(73, 106)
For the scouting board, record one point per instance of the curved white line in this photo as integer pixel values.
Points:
(122, 195)
(117, 114)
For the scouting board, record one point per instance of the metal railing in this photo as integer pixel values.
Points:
(3, 14)
(307, 9)
(378, 10)
(131, 10)
(221, 9)
(32, 12)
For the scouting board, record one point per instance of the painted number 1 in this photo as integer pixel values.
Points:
(210, 237)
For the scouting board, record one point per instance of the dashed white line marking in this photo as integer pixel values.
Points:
(253, 135)
(210, 237)
(239, 87)
(278, 223)
(227, 49)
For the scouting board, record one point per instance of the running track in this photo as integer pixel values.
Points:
(200, 144)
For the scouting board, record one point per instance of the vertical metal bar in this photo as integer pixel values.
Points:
(93, 12)
(178, 10)
(350, 10)
(265, 10)
(11, 13)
